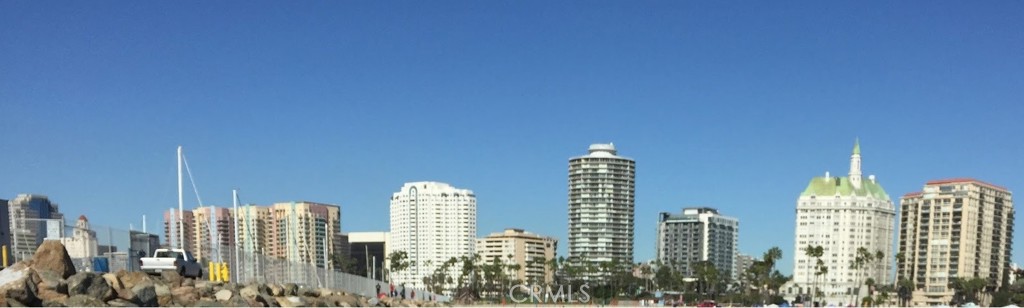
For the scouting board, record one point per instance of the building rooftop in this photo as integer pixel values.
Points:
(831, 186)
(964, 180)
(602, 150)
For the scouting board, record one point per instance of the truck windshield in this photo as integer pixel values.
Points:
(167, 254)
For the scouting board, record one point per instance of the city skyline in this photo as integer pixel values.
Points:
(722, 106)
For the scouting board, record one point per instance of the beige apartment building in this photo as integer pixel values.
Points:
(530, 251)
(254, 229)
(213, 233)
(954, 228)
(303, 232)
(174, 222)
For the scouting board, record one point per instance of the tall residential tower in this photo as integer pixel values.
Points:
(431, 222)
(601, 206)
(957, 228)
(696, 235)
(843, 215)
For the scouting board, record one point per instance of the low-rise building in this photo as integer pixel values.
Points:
(516, 246)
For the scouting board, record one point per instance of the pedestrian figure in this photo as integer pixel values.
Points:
(413, 294)
(403, 292)
(378, 289)
(392, 294)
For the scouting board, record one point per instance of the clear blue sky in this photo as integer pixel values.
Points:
(734, 105)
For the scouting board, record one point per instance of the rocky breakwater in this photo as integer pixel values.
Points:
(50, 280)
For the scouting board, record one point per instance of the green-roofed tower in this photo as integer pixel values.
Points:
(842, 214)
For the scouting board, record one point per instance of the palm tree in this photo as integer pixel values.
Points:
(819, 270)
(646, 272)
(814, 252)
(770, 257)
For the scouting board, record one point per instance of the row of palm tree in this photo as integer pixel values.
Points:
(479, 278)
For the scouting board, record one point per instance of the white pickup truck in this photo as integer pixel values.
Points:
(177, 260)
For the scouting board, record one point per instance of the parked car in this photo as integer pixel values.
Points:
(177, 260)
(708, 303)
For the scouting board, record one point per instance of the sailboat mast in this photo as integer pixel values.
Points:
(234, 205)
(181, 206)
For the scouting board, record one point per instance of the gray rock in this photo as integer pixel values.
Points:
(185, 295)
(291, 289)
(249, 292)
(82, 300)
(113, 281)
(162, 290)
(291, 301)
(14, 303)
(171, 278)
(267, 300)
(48, 280)
(90, 284)
(311, 292)
(117, 302)
(144, 295)
(47, 296)
(223, 295)
(130, 279)
(207, 303)
(17, 284)
(237, 301)
(275, 290)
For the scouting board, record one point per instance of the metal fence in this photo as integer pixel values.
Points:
(254, 267)
(106, 249)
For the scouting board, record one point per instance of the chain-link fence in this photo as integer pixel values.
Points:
(106, 249)
(255, 267)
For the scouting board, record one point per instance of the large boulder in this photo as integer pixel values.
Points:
(171, 278)
(90, 284)
(52, 256)
(82, 300)
(117, 302)
(238, 301)
(275, 290)
(130, 279)
(47, 296)
(249, 292)
(267, 301)
(18, 283)
(207, 303)
(144, 295)
(185, 296)
(291, 289)
(223, 295)
(291, 301)
(113, 281)
(49, 280)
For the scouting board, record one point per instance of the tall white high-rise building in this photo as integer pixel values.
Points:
(431, 222)
(842, 215)
(601, 206)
